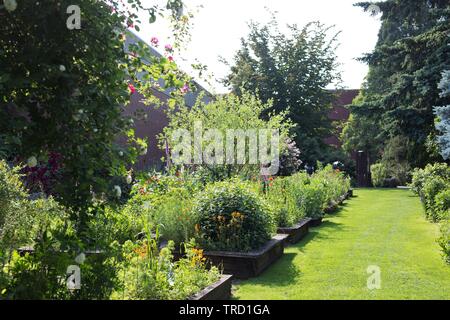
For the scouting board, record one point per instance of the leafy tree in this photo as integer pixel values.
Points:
(63, 90)
(404, 69)
(293, 70)
(229, 112)
(443, 114)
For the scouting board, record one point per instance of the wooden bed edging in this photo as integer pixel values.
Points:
(244, 265)
(219, 290)
(296, 232)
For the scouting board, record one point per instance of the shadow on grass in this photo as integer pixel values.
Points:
(285, 271)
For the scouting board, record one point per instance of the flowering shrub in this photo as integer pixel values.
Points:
(149, 273)
(232, 217)
(431, 184)
(166, 202)
(444, 239)
(282, 194)
(428, 183)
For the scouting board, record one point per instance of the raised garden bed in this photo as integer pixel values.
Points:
(331, 208)
(296, 232)
(315, 222)
(244, 265)
(220, 290)
(350, 193)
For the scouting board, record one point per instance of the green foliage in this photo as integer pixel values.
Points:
(64, 91)
(165, 202)
(444, 239)
(282, 194)
(379, 174)
(443, 117)
(292, 69)
(37, 275)
(232, 217)
(229, 112)
(313, 199)
(442, 205)
(150, 274)
(404, 72)
(432, 185)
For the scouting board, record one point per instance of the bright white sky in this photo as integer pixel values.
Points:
(220, 24)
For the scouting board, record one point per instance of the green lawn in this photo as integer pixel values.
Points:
(385, 228)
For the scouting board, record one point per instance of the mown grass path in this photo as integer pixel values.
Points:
(385, 228)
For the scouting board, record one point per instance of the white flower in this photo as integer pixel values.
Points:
(143, 151)
(121, 153)
(147, 205)
(80, 258)
(10, 5)
(32, 162)
(117, 191)
(129, 179)
(62, 68)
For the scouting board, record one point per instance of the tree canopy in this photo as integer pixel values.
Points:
(404, 71)
(293, 70)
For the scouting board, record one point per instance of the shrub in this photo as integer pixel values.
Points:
(281, 196)
(150, 274)
(313, 199)
(232, 217)
(380, 174)
(420, 176)
(165, 202)
(38, 275)
(441, 206)
(430, 190)
(444, 240)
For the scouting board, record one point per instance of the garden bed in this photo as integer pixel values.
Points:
(350, 193)
(297, 232)
(220, 290)
(244, 265)
(315, 222)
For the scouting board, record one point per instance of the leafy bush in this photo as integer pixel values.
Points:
(431, 189)
(428, 183)
(313, 199)
(165, 202)
(444, 240)
(379, 174)
(149, 273)
(281, 196)
(441, 206)
(232, 217)
(334, 182)
(38, 275)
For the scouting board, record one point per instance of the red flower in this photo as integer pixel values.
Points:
(131, 88)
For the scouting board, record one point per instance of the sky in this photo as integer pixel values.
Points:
(218, 26)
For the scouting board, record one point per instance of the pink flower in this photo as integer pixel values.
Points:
(131, 88)
(154, 41)
(168, 48)
(185, 88)
(170, 58)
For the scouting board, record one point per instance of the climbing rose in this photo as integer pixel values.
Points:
(168, 48)
(10, 5)
(185, 88)
(32, 162)
(117, 191)
(132, 88)
(129, 179)
(154, 41)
